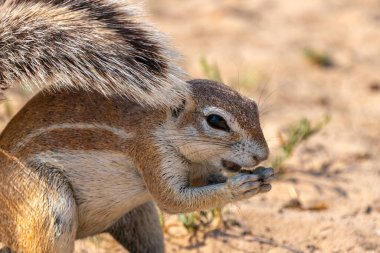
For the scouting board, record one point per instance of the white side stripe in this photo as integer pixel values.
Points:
(82, 126)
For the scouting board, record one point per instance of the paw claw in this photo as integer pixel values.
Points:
(265, 188)
(244, 186)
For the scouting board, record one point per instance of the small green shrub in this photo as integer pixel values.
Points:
(211, 70)
(294, 136)
(318, 58)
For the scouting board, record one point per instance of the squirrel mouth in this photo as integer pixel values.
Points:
(230, 166)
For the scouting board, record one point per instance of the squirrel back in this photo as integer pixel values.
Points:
(91, 45)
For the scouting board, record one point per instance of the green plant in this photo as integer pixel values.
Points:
(295, 135)
(199, 221)
(318, 58)
(210, 70)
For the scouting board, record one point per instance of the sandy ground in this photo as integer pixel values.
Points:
(258, 46)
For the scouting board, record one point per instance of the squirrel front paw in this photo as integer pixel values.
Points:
(243, 186)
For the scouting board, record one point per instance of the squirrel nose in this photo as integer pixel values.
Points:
(260, 157)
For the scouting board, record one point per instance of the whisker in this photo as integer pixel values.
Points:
(262, 106)
(261, 92)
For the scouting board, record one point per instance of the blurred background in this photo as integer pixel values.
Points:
(314, 69)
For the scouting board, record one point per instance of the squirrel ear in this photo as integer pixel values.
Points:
(186, 105)
(177, 111)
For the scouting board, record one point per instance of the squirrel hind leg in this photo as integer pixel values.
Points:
(38, 211)
(139, 230)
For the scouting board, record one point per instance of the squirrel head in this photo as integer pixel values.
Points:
(218, 127)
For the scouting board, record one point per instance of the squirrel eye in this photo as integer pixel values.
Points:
(217, 122)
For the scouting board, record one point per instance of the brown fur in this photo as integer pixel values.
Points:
(91, 156)
(144, 224)
(209, 93)
(61, 134)
(31, 219)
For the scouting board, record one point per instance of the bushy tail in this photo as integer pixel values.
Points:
(94, 45)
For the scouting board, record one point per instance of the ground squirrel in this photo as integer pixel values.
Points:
(121, 129)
